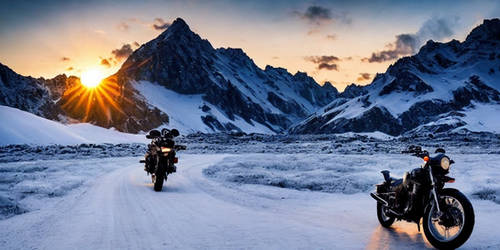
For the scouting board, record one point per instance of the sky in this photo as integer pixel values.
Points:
(342, 42)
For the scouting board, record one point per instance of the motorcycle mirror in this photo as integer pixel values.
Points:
(440, 150)
(164, 132)
(153, 134)
(174, 132)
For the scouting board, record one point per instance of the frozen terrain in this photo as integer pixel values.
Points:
(18, 127)
(222, 201)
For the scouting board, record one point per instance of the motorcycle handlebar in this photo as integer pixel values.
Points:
(416, 151)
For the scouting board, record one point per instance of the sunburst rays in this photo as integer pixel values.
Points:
(97, 103)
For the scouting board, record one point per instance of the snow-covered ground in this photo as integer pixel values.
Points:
(21, 127)
(220, 201)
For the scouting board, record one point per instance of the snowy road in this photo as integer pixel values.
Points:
(119, 210)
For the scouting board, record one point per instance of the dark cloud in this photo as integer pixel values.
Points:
(364, 76)
(408, 44)
(123, 52)
(328, 66)
(160, 24)
(105, 62)
(322, 59)
(65, 59)
(324, 62)
(405, 44)
(319, 15)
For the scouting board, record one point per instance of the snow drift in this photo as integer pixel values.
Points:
(21, 127)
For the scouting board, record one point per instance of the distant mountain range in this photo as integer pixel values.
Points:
(444, 87)
(178, 79)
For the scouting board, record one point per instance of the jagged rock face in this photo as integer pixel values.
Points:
(26, 93)
(488, 32)
(65, 99)
(226, 78)
(110, 105)
(353, 91)
(177, 59)
(406, 82)
(59, 84)
(434, 90)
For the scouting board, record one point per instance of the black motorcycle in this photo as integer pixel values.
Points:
(448, 216)
(160, 159)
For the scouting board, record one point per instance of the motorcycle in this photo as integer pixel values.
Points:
(447, 214)
(160, 158)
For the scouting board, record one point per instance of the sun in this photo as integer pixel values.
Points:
(91, 78)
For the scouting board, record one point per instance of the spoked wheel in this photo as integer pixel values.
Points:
(383, 216)
(451, 227)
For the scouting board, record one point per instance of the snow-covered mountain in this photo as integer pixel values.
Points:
(66, 100)
(26, 93)
(206, 89)
(444, 87)
(177, 79)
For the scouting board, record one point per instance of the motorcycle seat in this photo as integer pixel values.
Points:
(396, 182)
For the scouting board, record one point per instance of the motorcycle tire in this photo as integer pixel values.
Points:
(385, 220)
(158, 184)
(467, 227)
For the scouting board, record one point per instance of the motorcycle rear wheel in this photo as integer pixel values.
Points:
(158, 183)
(432, 228)
(384, 219)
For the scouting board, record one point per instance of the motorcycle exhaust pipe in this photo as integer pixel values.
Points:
(379, 199)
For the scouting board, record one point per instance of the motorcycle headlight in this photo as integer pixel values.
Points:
(165, 149)
(445, 163)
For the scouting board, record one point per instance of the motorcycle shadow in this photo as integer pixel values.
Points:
(146, 184)
(166, 188)
(401, 235)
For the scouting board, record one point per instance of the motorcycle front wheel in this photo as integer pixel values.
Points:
(453, 226)
(383, 217)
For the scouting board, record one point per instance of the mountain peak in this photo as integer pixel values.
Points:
(179, 26)
(488, 30)
(179, 22)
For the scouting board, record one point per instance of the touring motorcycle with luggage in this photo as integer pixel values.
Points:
(160, 158)
(447, 214)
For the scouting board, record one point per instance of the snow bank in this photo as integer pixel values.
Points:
(316, 172)
(477, 175)
(20, 127)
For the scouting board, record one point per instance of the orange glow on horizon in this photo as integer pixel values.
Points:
(98, 102)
